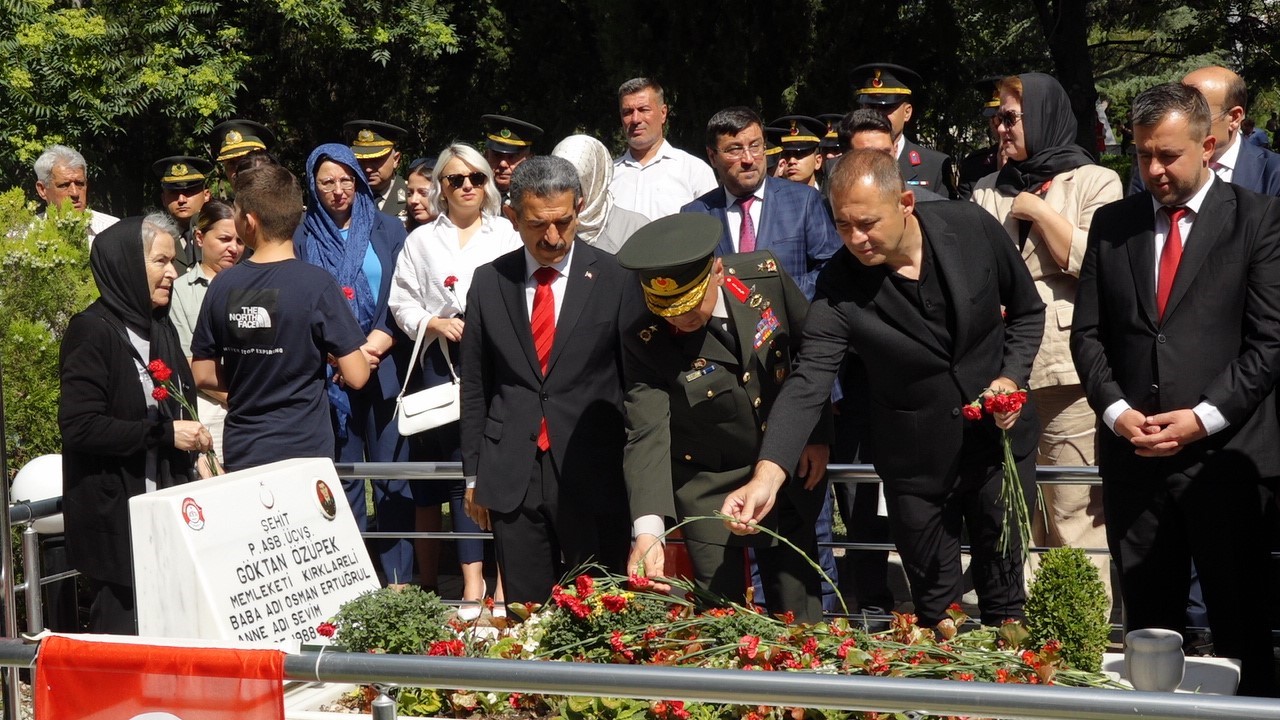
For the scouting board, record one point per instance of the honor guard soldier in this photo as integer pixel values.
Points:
(184, 190)
(374, 145)
(977, 165)
(507, 143)
(772, 154)
(234, 140)
(829, 146)
(702, 370)
(887, 88)
(799, 137)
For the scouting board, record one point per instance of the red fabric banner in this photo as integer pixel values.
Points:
(89, 680)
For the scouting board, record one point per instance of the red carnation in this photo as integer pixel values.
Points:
(450, 281)
(350, 293)
(159, 370)
(160, 394)
(450, 648)
(971, 412)
(614, 603)
(584, 585)
(326, 629)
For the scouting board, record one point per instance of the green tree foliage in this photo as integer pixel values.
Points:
(44, 263)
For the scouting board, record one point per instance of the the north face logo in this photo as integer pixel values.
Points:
(251, 318)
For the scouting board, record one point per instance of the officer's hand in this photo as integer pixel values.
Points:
(476, 511)
(750, 503)
(648, 560)
(813, 465)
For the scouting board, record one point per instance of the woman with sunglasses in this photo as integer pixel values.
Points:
(1045, 195)
(343, 232)
(418, 208)
(429, 293)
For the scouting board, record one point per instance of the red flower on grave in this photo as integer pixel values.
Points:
(452, 648)
(584, 585)
(326, 629)
(614, 603)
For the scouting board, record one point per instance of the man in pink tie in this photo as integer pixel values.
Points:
(1176, 337)
(542, 390)
(760, 213)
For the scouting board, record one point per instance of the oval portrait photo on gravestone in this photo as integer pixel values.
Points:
(324, 495)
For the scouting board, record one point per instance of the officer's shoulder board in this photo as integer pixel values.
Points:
(751, 265)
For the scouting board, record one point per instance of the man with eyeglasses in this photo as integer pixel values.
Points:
(887, 88)
(1234, 160)
(507, 143)
(374, 145)
(759, 213)
(799, 137)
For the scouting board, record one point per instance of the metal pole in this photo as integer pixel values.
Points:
(6, 563)
(383, 707)
(32, 593)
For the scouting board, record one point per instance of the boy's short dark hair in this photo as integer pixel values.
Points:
(272, 195)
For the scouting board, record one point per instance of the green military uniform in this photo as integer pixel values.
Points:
(698, 403)
(188, 174)
(372, 140)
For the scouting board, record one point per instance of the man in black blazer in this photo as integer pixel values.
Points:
(917, 293)
(1176, 337)
(542, 426)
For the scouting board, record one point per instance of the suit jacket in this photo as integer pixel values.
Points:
(696, 409)
(105, 438)
(1257, 169)
(1219, 340)
(505, 395)
(917, 385)
(1075, 195)
(794, 225)
(387, 238)
(926, 168)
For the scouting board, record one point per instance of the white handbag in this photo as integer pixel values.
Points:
(432, 407)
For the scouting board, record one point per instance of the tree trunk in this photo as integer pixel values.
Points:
(1065, 24)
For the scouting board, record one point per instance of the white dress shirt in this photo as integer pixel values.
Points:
(733, 213)
(1209, 415)
(660, 187)
(1225, 166)
(431, 255)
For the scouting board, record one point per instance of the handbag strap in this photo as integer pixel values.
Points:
(413, 361)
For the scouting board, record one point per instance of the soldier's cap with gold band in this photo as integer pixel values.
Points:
(989, 88)
(884, 83)
(673, 257)
(235, 138)
(831, 138)
(508, 135)
(772, 150)
(371, 139)
(797, 132)
(182, 172)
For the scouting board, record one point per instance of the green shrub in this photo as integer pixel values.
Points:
(1068, 602)
(44, 263)
(401, 620)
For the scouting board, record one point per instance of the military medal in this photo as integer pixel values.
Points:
(779, 374)
(765, 328)
(756, 300)
(647, 334)
(768, 266)
(699, 363)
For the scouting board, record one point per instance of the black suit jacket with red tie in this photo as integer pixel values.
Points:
(505, 394)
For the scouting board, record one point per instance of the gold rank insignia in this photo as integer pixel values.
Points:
(233, 137)
(699, 363)
(756, 300)
(768, 266)
(647, 334)
(365, 135)
(178, 169)
(505, 132)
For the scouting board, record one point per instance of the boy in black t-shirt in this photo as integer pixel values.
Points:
(266, 328)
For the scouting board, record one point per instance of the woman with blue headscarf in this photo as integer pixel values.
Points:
(344, 233)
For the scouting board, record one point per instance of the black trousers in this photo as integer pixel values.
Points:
(927, 530)
(1159, 519)
(552, 533)
(112, 611)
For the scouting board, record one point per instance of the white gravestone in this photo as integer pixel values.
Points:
(261, 555)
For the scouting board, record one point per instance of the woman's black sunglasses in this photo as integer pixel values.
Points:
(478, 179)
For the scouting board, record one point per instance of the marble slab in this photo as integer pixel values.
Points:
(262, 555)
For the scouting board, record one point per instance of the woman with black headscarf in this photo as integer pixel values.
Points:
(344, 233)
(117, 439)
(1045, 195)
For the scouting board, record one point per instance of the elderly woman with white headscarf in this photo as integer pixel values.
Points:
(601, 223)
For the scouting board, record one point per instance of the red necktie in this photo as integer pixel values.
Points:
(747, 231)
(1169, 258)
(542, 321)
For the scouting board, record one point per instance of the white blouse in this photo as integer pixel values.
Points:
(432, 254)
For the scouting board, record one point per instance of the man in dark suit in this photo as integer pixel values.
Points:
(542, 426)
(917, 292)
(788, 219)
(887, 89)
(1179, 351)
(1234, 161)
(702, 369)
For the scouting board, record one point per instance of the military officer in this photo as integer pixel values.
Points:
(887, 88)
(184, 190)
(978, 164)
(507, 143)
(799, 137)
(702, 371)
(374, 145)
(234, 140)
